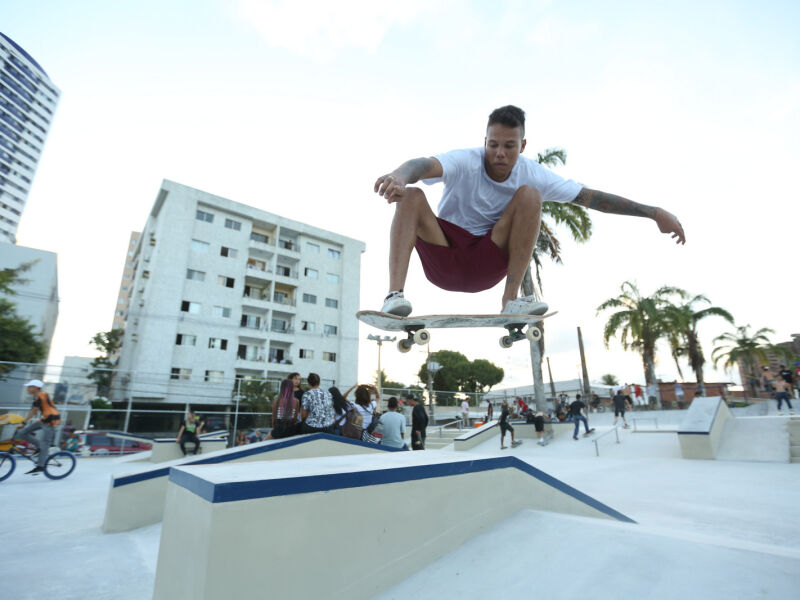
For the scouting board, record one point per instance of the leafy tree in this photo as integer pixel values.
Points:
(480, 376)
(109, 343)
(750, 349)
(683, 337)
(19, 341)
(609, 379)
(388, 384)
(459, 374)
(640, 321)
(579, 224)
(255, 396)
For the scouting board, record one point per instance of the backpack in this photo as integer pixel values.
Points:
(353, 424)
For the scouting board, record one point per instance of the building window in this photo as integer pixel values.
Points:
(311, 273)
(190, 307)
(183, 339)
(308, 325)
(287, 244)
(235, 225)
(309, 298)
(332, 278)
(199, 246)
(229, 252)
(312, 248)
(331, 303)
(306, 353)
(178, 373)
(195, 275)
(330, 329)
(215, 376)
(121, 301)
(280, 325)
(284, 271)
(259, 237)
(221, 311)
(248, 352)
(225, 281)
(334, 253)
(329, 356)
(201, 215)
(251, 321)
(217, 344)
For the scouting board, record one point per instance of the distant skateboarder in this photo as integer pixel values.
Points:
(506, 426)
(489, 215)
(621, 402)
(578, 412)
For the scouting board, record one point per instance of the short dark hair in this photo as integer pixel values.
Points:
(392, 402)
(313, 379)
(510, 116)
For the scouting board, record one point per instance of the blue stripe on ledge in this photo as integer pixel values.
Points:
(267, 488)
(244, 451)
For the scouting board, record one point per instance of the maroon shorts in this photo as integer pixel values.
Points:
(470, 263)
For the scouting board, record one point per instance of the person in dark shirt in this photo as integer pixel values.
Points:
(505, 426)
(419, 424)
(620, 404)
(578, 412)
(788, 377)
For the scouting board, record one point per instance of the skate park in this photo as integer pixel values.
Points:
(523, 515)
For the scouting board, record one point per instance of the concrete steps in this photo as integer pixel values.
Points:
(794, 439)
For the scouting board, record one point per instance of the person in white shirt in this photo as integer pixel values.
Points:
(465, 413)
(489, 215)
(393, 426)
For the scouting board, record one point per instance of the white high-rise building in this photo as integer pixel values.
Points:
(223, 291)
(28, 101)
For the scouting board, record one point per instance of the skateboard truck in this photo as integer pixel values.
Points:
(533, 334)
(416, 335)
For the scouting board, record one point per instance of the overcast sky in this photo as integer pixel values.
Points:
(296, 108)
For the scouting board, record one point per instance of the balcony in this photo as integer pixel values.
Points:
(283, 299)
(258, 272)
(290, 246)
(287, 272)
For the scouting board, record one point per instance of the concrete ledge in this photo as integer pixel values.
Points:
(137, 499)
(166, 449)
(217, 520)
(480, 434)
(701, 431)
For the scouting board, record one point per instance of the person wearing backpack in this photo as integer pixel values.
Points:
(340, 408)
(49, 419)
(367, 408)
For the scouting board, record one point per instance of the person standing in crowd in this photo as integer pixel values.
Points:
(340, 406)
(285, 411)
(317, 407)
(47, 423)
(621, 402)
(788, 377)
(782, 393)
(505, 426)
(679, 394)
(489, 411)
(188, 432)
(465, 413)
(578, 411)
(419, 424)
(393, 426)
(638, 395)
(367, 408)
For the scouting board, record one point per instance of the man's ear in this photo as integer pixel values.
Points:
(524, 142)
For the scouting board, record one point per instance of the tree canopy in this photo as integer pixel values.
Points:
(108, 343)
(19, 341)
(459, 374)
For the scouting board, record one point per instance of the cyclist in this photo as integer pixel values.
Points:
(49, 419)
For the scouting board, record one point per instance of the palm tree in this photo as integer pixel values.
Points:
(577, 221)
(684, 338)
(748, 349)
(641, 322)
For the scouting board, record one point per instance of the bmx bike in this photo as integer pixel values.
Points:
(59, 464)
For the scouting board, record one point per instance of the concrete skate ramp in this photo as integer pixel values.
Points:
(137, 499)
(363, 522)
(760, 439)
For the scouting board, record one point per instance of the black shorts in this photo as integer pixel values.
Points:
(538, 423)
(506, 427)
(284, 429)
(619, 412)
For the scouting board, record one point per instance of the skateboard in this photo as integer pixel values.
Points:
(516, 443)
(588, 433)
(416, 327)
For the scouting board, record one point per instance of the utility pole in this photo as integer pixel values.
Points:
(552, 385)
(587, 390)
(380, 340)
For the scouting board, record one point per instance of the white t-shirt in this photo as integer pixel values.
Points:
(464, 407)
(475, 202)
(366, 413)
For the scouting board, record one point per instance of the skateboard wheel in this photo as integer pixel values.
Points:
(506, 341)
(534, 334)
(404, 345)
(422, 337)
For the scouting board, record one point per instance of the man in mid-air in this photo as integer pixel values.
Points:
(489, 215)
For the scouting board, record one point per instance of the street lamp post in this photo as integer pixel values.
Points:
(433, 368)
(380, 339)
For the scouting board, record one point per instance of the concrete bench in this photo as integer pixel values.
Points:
(522, 430)
(137, 499)
(403, 510)
(166, 449)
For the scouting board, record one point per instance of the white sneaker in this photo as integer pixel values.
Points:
(396, 304)
(526, 305)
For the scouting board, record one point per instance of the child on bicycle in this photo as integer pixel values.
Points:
(48, 421)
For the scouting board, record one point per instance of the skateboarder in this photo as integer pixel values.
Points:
(621, 402)
(578, 412)
(505, 426)
(489, 215)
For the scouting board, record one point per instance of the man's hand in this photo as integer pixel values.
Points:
(391, 186)
(668, 223)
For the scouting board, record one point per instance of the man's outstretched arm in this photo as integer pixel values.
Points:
(617, 205)
(392, 186)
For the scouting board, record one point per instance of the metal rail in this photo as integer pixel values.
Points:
(615, 429)
(645, 419)
(456, 422)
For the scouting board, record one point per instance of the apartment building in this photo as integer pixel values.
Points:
(222, 291)
(28, 101)
(123, 297)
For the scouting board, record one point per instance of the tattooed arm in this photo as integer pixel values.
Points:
(392, 186)
(617, 205)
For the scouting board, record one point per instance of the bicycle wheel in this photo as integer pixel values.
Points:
(59, 465)
(7, 465)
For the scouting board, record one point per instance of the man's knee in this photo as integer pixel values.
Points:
(527, 198)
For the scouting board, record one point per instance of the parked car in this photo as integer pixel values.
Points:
(99, 443)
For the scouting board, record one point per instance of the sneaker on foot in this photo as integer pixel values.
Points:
(35, 471)
(575, 437)
(396, 304)
(526, 305)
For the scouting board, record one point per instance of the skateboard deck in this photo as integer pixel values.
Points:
(516, 443)
(416, 327)
(590, 432)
